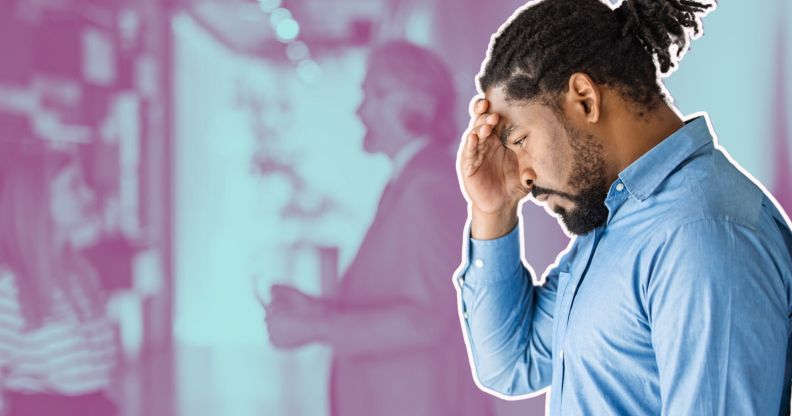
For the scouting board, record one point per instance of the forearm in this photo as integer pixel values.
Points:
(501, 306)
(381, 329)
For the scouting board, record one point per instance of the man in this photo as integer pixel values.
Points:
(675, 295)
(392, 326)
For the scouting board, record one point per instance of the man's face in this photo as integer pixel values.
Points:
(564, 164)
(379, 111)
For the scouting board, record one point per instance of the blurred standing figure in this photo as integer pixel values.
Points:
(57, 350)
(392, 325)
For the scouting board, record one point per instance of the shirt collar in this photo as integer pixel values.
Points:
(404, 155)
(644, 175)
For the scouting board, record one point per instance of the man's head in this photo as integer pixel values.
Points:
(566, 75)
(408, 93)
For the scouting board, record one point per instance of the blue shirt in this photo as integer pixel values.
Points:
(679, 305)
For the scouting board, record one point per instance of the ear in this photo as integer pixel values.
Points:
(416, 112)
(584, 97)
(415, 122)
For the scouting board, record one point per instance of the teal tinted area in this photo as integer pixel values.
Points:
(729, 73)
(268, 169)
(264, 161)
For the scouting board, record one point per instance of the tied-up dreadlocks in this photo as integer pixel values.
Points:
(627, 48)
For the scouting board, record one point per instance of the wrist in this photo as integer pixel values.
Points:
(324, 321)
(492, 225)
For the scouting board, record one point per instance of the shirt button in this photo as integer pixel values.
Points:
(619, 186)
(465, 315)
(561, 355)
(479, 263)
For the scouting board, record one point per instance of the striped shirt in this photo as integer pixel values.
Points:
(62, 356)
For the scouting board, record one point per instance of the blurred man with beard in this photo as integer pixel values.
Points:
(393, 326)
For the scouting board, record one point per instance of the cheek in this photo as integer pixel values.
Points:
(369, 107)
(64, 209)
(564, 204)
(563, 159)
(552, 163)
(374, 115)
(56, 210)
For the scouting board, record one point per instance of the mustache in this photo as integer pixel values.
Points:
(538, 190)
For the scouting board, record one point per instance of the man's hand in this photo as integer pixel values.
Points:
(294, 318)
(490, 176)
(294, 301)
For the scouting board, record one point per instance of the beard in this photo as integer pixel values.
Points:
(588, 176)
(588, 213)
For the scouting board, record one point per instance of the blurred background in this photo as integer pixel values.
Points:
(221, 146)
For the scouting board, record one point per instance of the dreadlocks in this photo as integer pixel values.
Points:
(627, 48)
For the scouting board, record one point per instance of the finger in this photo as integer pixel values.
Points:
(481, 106)
(281, 292)
(483, 151)
(485, 130)
(271, 309)
(471, 146)
(476, 123)
(475, 102)
(278, 289)
(487, 119)
(471, 152)
(486, 148)
(485, 134)
(276, 307)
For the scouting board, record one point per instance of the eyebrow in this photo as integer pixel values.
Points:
(506, 132)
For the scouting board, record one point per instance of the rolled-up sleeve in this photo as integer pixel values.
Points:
(508, 321)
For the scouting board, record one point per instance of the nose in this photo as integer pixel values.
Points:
(88, 199)
(359, 108)
(527, 178)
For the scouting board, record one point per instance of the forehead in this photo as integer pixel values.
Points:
(520, 113)
(377, 79)
(66, 174)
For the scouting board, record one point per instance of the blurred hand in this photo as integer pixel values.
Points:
(294, 301)
(489, 170)
(288, 331)
(293, 318)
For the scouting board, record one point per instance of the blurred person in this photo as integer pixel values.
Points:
(392, 326)
(675, 295)
(57, 349)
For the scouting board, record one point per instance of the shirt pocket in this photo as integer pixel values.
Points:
(559, 317)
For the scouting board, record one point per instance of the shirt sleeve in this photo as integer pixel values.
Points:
(507, 320)
(717, 305)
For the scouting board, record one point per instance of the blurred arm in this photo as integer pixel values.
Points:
(412, 256)
(383, 329)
